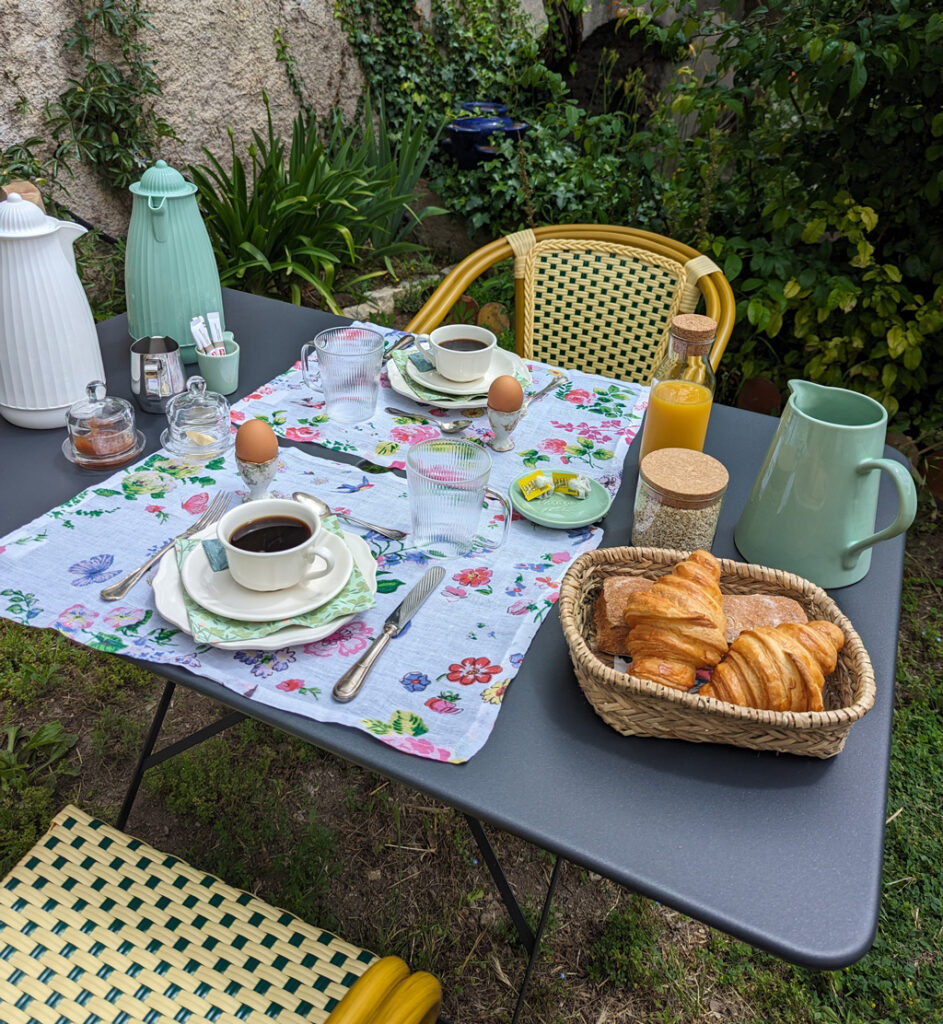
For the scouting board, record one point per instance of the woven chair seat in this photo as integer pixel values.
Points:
(99, 928)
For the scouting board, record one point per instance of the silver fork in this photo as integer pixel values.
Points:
(213, 512)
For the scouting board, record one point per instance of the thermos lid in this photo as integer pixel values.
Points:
(19, 218)
(163, 182)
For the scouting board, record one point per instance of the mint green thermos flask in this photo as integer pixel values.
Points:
(169, 269)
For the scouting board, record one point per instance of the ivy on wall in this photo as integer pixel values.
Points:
(106, 116)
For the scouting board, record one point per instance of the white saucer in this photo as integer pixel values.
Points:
(400, 385)
(218, 592)
(169, 596)
(502, 362)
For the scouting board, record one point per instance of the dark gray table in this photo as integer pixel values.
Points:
(780, 851)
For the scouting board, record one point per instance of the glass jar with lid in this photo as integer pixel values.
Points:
(678, 499)
(101, 430)
(198, 422)
(682, 388)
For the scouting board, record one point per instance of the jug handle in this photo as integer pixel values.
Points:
(492, 494)
(906, 511)
(157, 221)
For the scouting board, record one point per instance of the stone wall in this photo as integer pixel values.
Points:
(213, 60)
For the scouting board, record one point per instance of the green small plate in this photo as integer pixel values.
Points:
(560, 511)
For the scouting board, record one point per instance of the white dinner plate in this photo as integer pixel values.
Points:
(502, 362)
(169, 596)
(218, 592)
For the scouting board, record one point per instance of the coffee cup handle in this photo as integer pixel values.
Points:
(492, 494)
(906, 510)
(312, 573)
(424, 343)
(313, 380)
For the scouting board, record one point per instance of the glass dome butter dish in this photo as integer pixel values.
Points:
(198, 423)
(101, 430)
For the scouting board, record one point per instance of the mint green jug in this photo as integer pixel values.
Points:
(169, 268)
(813, 506)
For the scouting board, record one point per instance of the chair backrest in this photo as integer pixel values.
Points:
(596, 297)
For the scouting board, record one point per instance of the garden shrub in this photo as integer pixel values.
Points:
(337, 195)
(808, 163)
(813, 174)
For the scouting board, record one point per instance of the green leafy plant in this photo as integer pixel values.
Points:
(107, 117)
(28, 757)
(22, 160)
(812, 170)
(295, 216)
(462, 53)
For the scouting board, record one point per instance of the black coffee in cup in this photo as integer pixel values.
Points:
(463, 345)
(270, 534)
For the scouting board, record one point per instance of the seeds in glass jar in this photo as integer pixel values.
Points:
(663, 526)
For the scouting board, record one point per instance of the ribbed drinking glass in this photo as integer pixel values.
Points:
(448, 484)
(348, 371)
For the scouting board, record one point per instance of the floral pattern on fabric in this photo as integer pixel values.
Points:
(437, 689)
(584, 425)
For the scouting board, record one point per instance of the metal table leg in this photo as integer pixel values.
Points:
(529, 938)
(148, 759)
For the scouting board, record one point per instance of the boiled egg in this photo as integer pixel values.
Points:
(505, 394)
(256, 442)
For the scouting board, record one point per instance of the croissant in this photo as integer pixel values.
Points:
(678, 625)
(778, 668)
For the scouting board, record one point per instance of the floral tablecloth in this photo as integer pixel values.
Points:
(437, 689)
(585, 425)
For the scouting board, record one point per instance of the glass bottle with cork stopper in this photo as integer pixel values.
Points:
(682, 389)
(678, 499)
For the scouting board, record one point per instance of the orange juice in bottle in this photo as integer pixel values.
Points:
(682, 390)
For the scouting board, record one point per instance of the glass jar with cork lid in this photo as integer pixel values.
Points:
(678, 499)
(682, 388)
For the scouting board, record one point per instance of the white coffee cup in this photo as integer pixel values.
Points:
(454, 360)
(278, 567)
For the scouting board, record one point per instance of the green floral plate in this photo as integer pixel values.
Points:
(560, 511)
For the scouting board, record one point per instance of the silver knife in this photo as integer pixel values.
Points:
(407, 339)
(348, 686)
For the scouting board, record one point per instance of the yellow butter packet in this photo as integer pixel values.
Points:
(573, 484)
(535, 485)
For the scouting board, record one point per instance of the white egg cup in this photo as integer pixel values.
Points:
(257, 477)
(503, 423)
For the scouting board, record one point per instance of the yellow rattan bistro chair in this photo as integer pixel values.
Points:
(98, 927)
(595, 297)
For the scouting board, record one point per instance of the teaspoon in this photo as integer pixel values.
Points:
(325, 510)
(453, 427)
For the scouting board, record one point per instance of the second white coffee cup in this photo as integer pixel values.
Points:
(273, 543)
(459, 352)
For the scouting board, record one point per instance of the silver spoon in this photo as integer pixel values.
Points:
(325, 510)
(452, 427)
(557, 381)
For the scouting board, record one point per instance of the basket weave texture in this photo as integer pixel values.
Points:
(97, 926)
(621, 298)
(639, 707)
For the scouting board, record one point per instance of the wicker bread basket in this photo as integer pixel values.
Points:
(638, 707)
